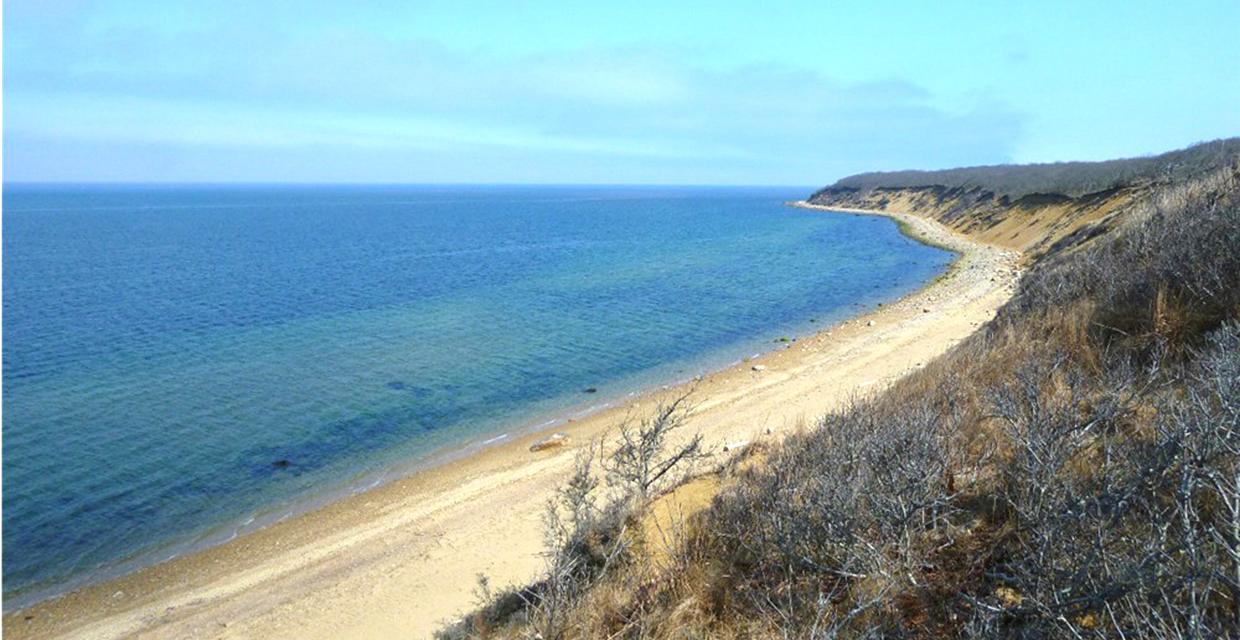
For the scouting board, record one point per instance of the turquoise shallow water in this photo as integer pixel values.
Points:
(165, 346)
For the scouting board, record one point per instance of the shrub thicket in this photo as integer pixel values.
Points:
(1071, 179)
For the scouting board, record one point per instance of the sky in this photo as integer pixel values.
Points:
(635, 92)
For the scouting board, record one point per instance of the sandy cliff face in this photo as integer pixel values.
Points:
(1036, 224)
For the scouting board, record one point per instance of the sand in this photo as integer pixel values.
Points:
(402, 559)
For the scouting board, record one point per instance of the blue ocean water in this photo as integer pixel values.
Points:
(164, 346)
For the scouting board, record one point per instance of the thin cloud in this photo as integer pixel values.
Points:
(253, 90)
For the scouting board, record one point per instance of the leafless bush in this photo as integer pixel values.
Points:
(840, 519)
(585, 531)
(1119, 533)
(642, 459)
(581, 542)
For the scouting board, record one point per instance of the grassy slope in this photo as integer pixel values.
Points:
(1072, 470)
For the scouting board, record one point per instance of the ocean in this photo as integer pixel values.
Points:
(182, 364)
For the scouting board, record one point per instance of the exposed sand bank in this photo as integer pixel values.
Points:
(400, 560)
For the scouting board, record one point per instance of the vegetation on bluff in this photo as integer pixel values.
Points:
(1071, 470)
(1070, 179)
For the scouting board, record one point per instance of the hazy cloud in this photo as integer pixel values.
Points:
(229, 104)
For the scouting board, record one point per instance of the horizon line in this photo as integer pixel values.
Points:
(304, 183)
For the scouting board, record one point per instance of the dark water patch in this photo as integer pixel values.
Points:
(420, 393)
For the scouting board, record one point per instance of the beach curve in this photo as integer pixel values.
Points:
(401, 559)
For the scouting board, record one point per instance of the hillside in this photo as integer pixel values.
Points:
(1031, 208)
(1071, 470)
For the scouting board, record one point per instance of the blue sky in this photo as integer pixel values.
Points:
(618, 92)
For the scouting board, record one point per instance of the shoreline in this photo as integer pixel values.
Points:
(401, 558)
(540, 424)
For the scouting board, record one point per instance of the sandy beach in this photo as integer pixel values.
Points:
(402, 559)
